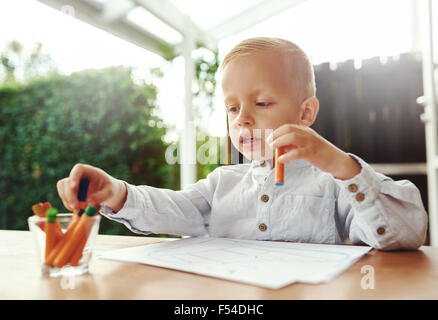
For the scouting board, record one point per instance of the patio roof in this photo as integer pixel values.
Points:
(159, 24)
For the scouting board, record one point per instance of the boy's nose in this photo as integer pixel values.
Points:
(245, 123)
(245, 119)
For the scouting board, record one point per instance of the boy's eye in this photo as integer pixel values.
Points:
(263, 104)
(232, 109)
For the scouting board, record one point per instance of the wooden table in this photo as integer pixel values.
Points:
(398, 275)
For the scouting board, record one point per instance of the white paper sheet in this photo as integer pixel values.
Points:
(268, 264)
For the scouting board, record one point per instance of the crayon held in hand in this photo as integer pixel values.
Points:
(74, 241)
(279, 167)
(82, 195)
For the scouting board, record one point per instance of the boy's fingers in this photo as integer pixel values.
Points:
(286, 128)
(294, 139)
(61, 191)
(77, 172)
(292, 155)
(98, 197)
(288, 148)
(70, 194)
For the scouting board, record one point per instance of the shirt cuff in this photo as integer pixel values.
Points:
(127, 211)
(363, 189)
(127, 214)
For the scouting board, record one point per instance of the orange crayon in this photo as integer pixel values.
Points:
(50, 229)
(58, 231)
(40, 210)
(74, 241)
(77, 255)
(279, 167)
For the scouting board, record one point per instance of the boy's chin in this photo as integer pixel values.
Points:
(256, 156)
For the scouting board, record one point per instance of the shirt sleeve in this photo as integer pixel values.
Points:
(155, 210)
(381, 212)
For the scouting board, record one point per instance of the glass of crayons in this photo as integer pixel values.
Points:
(64, 241)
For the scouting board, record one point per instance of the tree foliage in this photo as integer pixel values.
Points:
(99, 117)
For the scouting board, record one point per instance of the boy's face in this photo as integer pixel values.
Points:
(259, 97)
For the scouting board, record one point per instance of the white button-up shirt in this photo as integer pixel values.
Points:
(242, 201)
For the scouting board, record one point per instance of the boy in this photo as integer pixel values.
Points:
(328, 195)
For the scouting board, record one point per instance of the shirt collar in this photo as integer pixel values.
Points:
(268, 164)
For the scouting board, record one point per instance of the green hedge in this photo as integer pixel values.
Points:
(99, 117)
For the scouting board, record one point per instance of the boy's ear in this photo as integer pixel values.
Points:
(309, 110)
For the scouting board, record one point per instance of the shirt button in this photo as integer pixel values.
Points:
(266, 178)
(360, 196)
(352, 187)
(262, 164)
(262, 227)
(381, 230)
(265, 198)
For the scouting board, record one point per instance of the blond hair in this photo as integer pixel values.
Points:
(304, 84)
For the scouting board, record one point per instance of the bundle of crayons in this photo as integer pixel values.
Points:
(66, 248)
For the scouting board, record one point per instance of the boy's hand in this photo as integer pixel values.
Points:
(102, 188)
(301, 142)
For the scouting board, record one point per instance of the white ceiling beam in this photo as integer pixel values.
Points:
(92, 14)
(250, 17)
(172, 16)
(115, 9)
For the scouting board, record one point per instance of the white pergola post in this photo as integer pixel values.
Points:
(188, 135)
(429, 100)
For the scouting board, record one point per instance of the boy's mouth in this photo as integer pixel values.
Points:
(248, 141)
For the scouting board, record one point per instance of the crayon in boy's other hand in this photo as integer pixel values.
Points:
(279, 167)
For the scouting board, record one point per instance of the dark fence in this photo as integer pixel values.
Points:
(372, 111)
